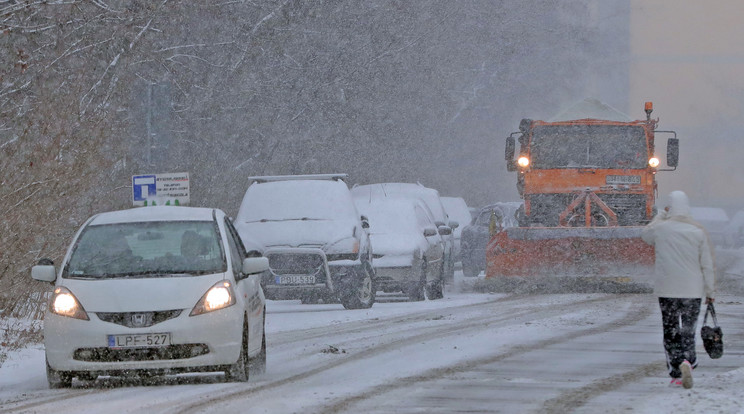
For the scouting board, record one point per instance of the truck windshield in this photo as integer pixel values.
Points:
(591, 146)
(147, 249)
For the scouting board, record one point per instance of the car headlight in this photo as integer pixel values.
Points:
(64, 303)
(219, 296)
(344, 249)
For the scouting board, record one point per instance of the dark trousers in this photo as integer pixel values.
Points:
(679, 317)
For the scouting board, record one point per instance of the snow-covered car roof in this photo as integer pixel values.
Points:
(458, 210)
(155, 213)
(712, 218)
(429, 195)
(297, 199)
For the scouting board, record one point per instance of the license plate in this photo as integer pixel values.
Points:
(139, 340)
(295, 280)
(623, 179)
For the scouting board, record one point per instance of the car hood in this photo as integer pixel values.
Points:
(396, 243)
(297, 233)
(140, 295)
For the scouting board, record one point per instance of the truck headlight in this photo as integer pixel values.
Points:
(523, 162)
(64, 303)
(219, 296)
(653, 162)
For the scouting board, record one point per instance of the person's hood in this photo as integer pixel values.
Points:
(679, 204)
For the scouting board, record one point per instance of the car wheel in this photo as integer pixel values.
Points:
(415, 291)
(468, 269)
(435, 290)
(257, 364)
(362, 292)
(58, 379)
(238, 371)
(309, 299)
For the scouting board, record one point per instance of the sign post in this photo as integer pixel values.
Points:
(170, 189)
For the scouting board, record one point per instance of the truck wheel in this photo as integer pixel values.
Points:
(239, 370)
(362, 293)
(468, 268)
(58, 379)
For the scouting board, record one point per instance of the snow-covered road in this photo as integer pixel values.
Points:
(467, 353)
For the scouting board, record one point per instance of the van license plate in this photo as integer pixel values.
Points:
(295, 280)
(139, 340)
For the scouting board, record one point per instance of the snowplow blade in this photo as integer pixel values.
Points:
(616, 253)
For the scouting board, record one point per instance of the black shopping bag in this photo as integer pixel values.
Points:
(712, 335)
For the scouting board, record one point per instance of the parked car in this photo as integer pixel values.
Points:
(716, 223)
(408, 251)
(316, 241)
(476, 235)
(458, 210)
(431, 198)
(154, 290)
(735, 231)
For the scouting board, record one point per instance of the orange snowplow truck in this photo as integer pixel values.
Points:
(589, 187)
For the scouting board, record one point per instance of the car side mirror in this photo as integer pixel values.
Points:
(673, 152)
(445, 230)
(365, 222)
(253, 265)
(430, 231)
(454, 224)
(44, 272)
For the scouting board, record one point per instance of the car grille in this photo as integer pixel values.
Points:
(297, 264)
(140, 354)
(138, 319)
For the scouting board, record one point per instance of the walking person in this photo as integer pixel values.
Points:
(684, 274)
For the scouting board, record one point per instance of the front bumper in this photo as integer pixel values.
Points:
(288, 262)
(207, 342)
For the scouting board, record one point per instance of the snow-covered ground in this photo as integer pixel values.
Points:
(468, 352)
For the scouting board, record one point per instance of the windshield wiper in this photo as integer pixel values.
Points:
(285, 219)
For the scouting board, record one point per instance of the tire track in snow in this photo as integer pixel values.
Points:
(432, 332)
(279, 339)
(635, 315)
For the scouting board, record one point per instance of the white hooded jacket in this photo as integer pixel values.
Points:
(684, 259)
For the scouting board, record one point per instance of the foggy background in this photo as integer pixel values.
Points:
(93, 92)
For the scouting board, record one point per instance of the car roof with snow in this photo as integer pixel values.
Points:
(307, 198)
(429, 195)
(155, 213)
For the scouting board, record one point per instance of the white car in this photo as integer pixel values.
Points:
(314, 237)
(408, 251)
(154, 290)
(459, 211)
(431, 198)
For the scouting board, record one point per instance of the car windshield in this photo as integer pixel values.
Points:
(147, 249)
(390, 220)
(597, 146)
(297, 200)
